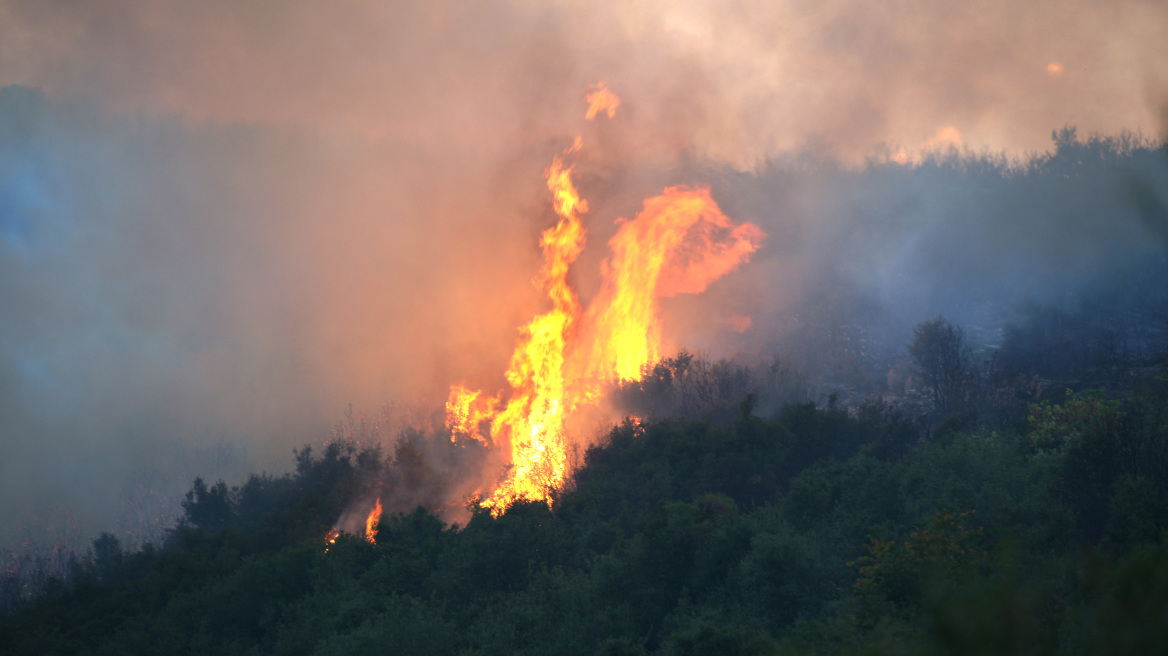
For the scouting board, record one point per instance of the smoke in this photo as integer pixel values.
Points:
(736, 81)
(221, 223)
(859, 256)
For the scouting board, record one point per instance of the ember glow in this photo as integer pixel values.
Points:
(679, 243)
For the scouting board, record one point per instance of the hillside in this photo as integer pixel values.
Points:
(811, 530)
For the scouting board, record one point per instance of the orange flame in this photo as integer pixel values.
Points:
(533, 420)
(637, 423)
(371, 522)
(600, 99)
(331, 538)
(466, 412)
(678, 244)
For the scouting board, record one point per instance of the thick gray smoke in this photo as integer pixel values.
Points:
(857, 257)
(221, 223)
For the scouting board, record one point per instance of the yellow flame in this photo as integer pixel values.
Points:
(600, 99)
(331, 538)
(679, 243)
(466, 412)
(531, 423)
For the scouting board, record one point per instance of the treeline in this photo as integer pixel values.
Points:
(1072, 243)
(942, 379)
(806, 530)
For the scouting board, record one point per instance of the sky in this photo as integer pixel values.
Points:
(222, 223)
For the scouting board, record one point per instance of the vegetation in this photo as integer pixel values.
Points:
(810, 530)
(941, 358)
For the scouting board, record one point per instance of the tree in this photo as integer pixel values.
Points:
(941, 359)
(208, 508)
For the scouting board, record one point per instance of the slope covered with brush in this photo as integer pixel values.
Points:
(811, 530)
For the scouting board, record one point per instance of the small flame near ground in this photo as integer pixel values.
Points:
(331, 538)
(371, 522)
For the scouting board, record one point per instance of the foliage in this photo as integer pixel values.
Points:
(695, 388)
(1127, 612)
(1052, 426)
(813, 530)
(941, 358)
(893, 576)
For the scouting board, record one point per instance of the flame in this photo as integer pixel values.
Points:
(600, 99)
(331, 538)
(946, 136)
(637, 423)
(371, 522)
(678, 244)
(532, 421)
(466, 412)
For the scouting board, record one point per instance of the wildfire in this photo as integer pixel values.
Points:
(679, 243)
(349, 519)
(331, 538)
(371, 522)
(533, 420)
(466, 412)
(637, 424)
(600, 99)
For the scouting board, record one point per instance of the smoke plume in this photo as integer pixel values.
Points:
(221, 223)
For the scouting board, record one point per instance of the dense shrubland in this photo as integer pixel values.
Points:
(807, 529)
